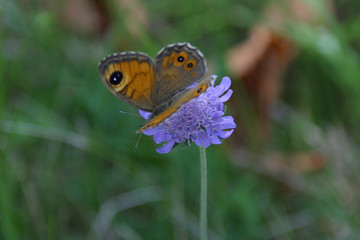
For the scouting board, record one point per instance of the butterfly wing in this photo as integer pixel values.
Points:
(178, 100)
(177, 66)
(131, 77)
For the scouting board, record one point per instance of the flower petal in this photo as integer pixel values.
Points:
(159, 137)
(150, 131)
(202, 139)
(215, 140)
(144, 114)
(226, 96)
(225, 82)
(223, 86)
(166, 148)
(226, 134)
(226, 122)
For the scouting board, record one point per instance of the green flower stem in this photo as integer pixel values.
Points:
(203, 195)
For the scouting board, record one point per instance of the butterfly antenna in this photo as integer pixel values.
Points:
(137, 144)
(131, 114)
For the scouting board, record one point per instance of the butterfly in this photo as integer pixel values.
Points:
(160, 86)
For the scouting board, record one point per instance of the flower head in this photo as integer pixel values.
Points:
(201, 120)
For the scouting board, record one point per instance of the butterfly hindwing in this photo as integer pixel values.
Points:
(177, 66)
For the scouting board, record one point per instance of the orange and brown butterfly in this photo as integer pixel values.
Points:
(161, 86)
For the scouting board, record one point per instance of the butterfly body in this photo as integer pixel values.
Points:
(160, 86)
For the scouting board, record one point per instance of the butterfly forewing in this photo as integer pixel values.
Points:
(131, 77)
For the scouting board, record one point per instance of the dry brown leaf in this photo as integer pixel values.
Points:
(261, 60)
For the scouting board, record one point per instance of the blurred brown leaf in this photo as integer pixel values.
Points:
(261, 60)
(94, 17)
(82, 16)
(259, 64)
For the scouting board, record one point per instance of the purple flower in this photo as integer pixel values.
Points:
(201, 120)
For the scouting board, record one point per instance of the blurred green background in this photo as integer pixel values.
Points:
(68, 169)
